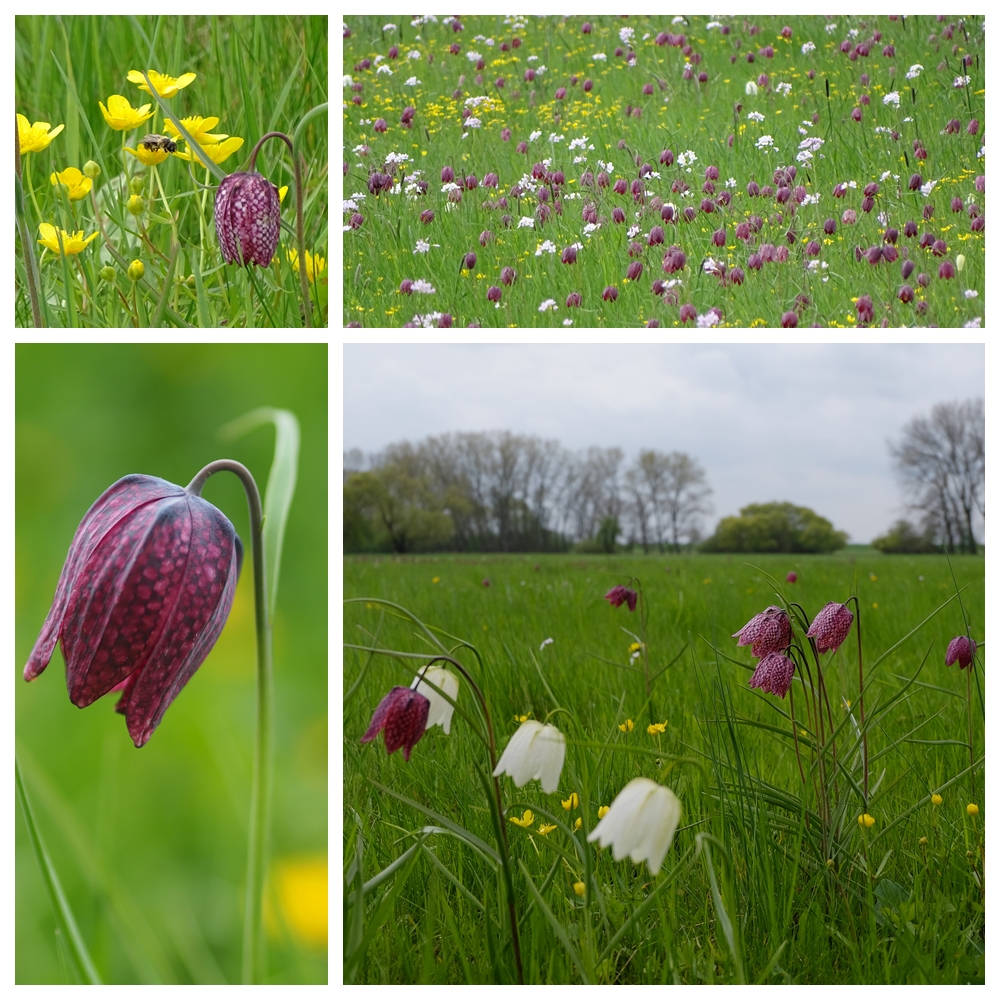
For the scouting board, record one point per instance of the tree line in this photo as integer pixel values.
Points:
(509, 492)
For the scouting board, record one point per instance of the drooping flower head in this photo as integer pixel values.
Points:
(535, 753)
(402, 713)
(830, 627)
(247, 219)
(774, 674)
(961, 650)
(640, 823)
(768, 632)
(617, 596)
(440, 711)
(145, 591)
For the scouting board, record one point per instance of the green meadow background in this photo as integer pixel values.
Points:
(256, 74)
(151, 844)
(920, 918)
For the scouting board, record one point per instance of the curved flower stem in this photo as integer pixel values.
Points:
(501, 829)
(260, 796)
(299, 222)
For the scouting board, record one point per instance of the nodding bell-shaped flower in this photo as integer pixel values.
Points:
(961, 650)
(830, 627)
(247, 219)
(640, 823)
(617, 596)
(145, 591)
(402, 713)
(768, 632)
(535, 753)
(440, 711)
(774, 674)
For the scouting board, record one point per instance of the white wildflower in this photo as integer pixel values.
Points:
(526, 221)
(599, 57)
(553, 137)
(385, 70)
(763, 141)
(925, 189)
(784, 88)
(830, 29)
(755, 116)
(413, 82)
(545, 642)
(914, 71)
(891, 98)
(413, 54)
(348, 82)
(473, 56)
(388, 27)
(808, 47)
(422, 246)
(534, 136)
(578, 143)
(473, 123)
(547, 247)
(971, 293)
(962, 81)
(424, 287)
(626, 34)
(751, 88)
(547, 305)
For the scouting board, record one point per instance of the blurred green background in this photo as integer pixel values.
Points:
(151, 844)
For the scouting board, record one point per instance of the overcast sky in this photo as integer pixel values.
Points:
(804, 423)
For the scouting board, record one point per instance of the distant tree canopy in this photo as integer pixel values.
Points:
(941, 462)
(904, 538)
(775, 527)
(514, 493)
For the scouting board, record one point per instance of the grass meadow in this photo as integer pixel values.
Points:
(744, 171)
(252, 75)
(746, 893)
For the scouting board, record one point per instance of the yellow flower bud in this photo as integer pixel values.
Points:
(923, 840)
(578, 823)
(107, 273)
(136, 270)
(972, 809)
(936, 799)
(136, 205)
(579, 888)
(91, 170)
(603, 811)
(572, 802)
(864, 820)
(960, 261)
(137, 184)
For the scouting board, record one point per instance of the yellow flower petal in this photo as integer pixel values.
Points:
(77, 186)
(72, 242)
(165, 86)
(151, 157)
(579, 888)
(217, 152)
(121, 116)
(34, 138)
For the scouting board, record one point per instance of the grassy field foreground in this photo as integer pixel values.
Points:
(756, 887)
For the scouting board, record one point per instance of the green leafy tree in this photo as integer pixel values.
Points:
(399, 507)
(903, 537)
(775, 527)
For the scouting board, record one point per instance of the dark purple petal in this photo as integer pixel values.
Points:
(247, 218)
(830, 627)
(961, 650)
(774, 674)
(402, 713)
(768, 632)
(145, 592)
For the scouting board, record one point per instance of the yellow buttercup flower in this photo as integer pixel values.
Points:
(121, 116)
(151, 157)
(34, 138)
(301, 889)
(72, 242)
(579, 888)
(282, 191)
(77, 186)
(314, 263)
(546, 828)
(627, 726)
(866, 821)
(936, 799)
(217, 152)
(165, 86)
(635, 647)
(657, 727)
(521, 718)
(572, 802)
(578, 823)
(526, 820)
(603, 811)
(436, 579)
(972, 809)
(198, 128)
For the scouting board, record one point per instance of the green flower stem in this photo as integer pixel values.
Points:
(31, 187)
(65, 922)
(27, 247)
(260, 796)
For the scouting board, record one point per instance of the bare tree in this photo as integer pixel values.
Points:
(941, 461)
(686, 493)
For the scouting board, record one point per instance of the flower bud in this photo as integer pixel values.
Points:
(107, 273)
(136, 270)
(960, 261)
(136, 205)
(137, 184)
(91, 170)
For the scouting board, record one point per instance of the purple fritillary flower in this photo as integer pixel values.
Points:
(402, 714)
(406, 286)
(688, 313)
(905, 293)
(866, 312)
(830, 627)
(507, 275)
(617, 596)
(789, 319)
(634, 271)
(569, 255)
(768, 632)
(792, 577)
(573, 299)
(610, 294)
(493, 294)
(915, 181)
(961, 649)
(247, 218)
(357, 220)
(617, 215)
(774, 674)
(946, 270)
(142, 598)
(486, 236)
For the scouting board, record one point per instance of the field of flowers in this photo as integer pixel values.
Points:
(766, 171)
(676, 799)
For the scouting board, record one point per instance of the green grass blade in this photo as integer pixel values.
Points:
(557, 928)
(80, 962)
